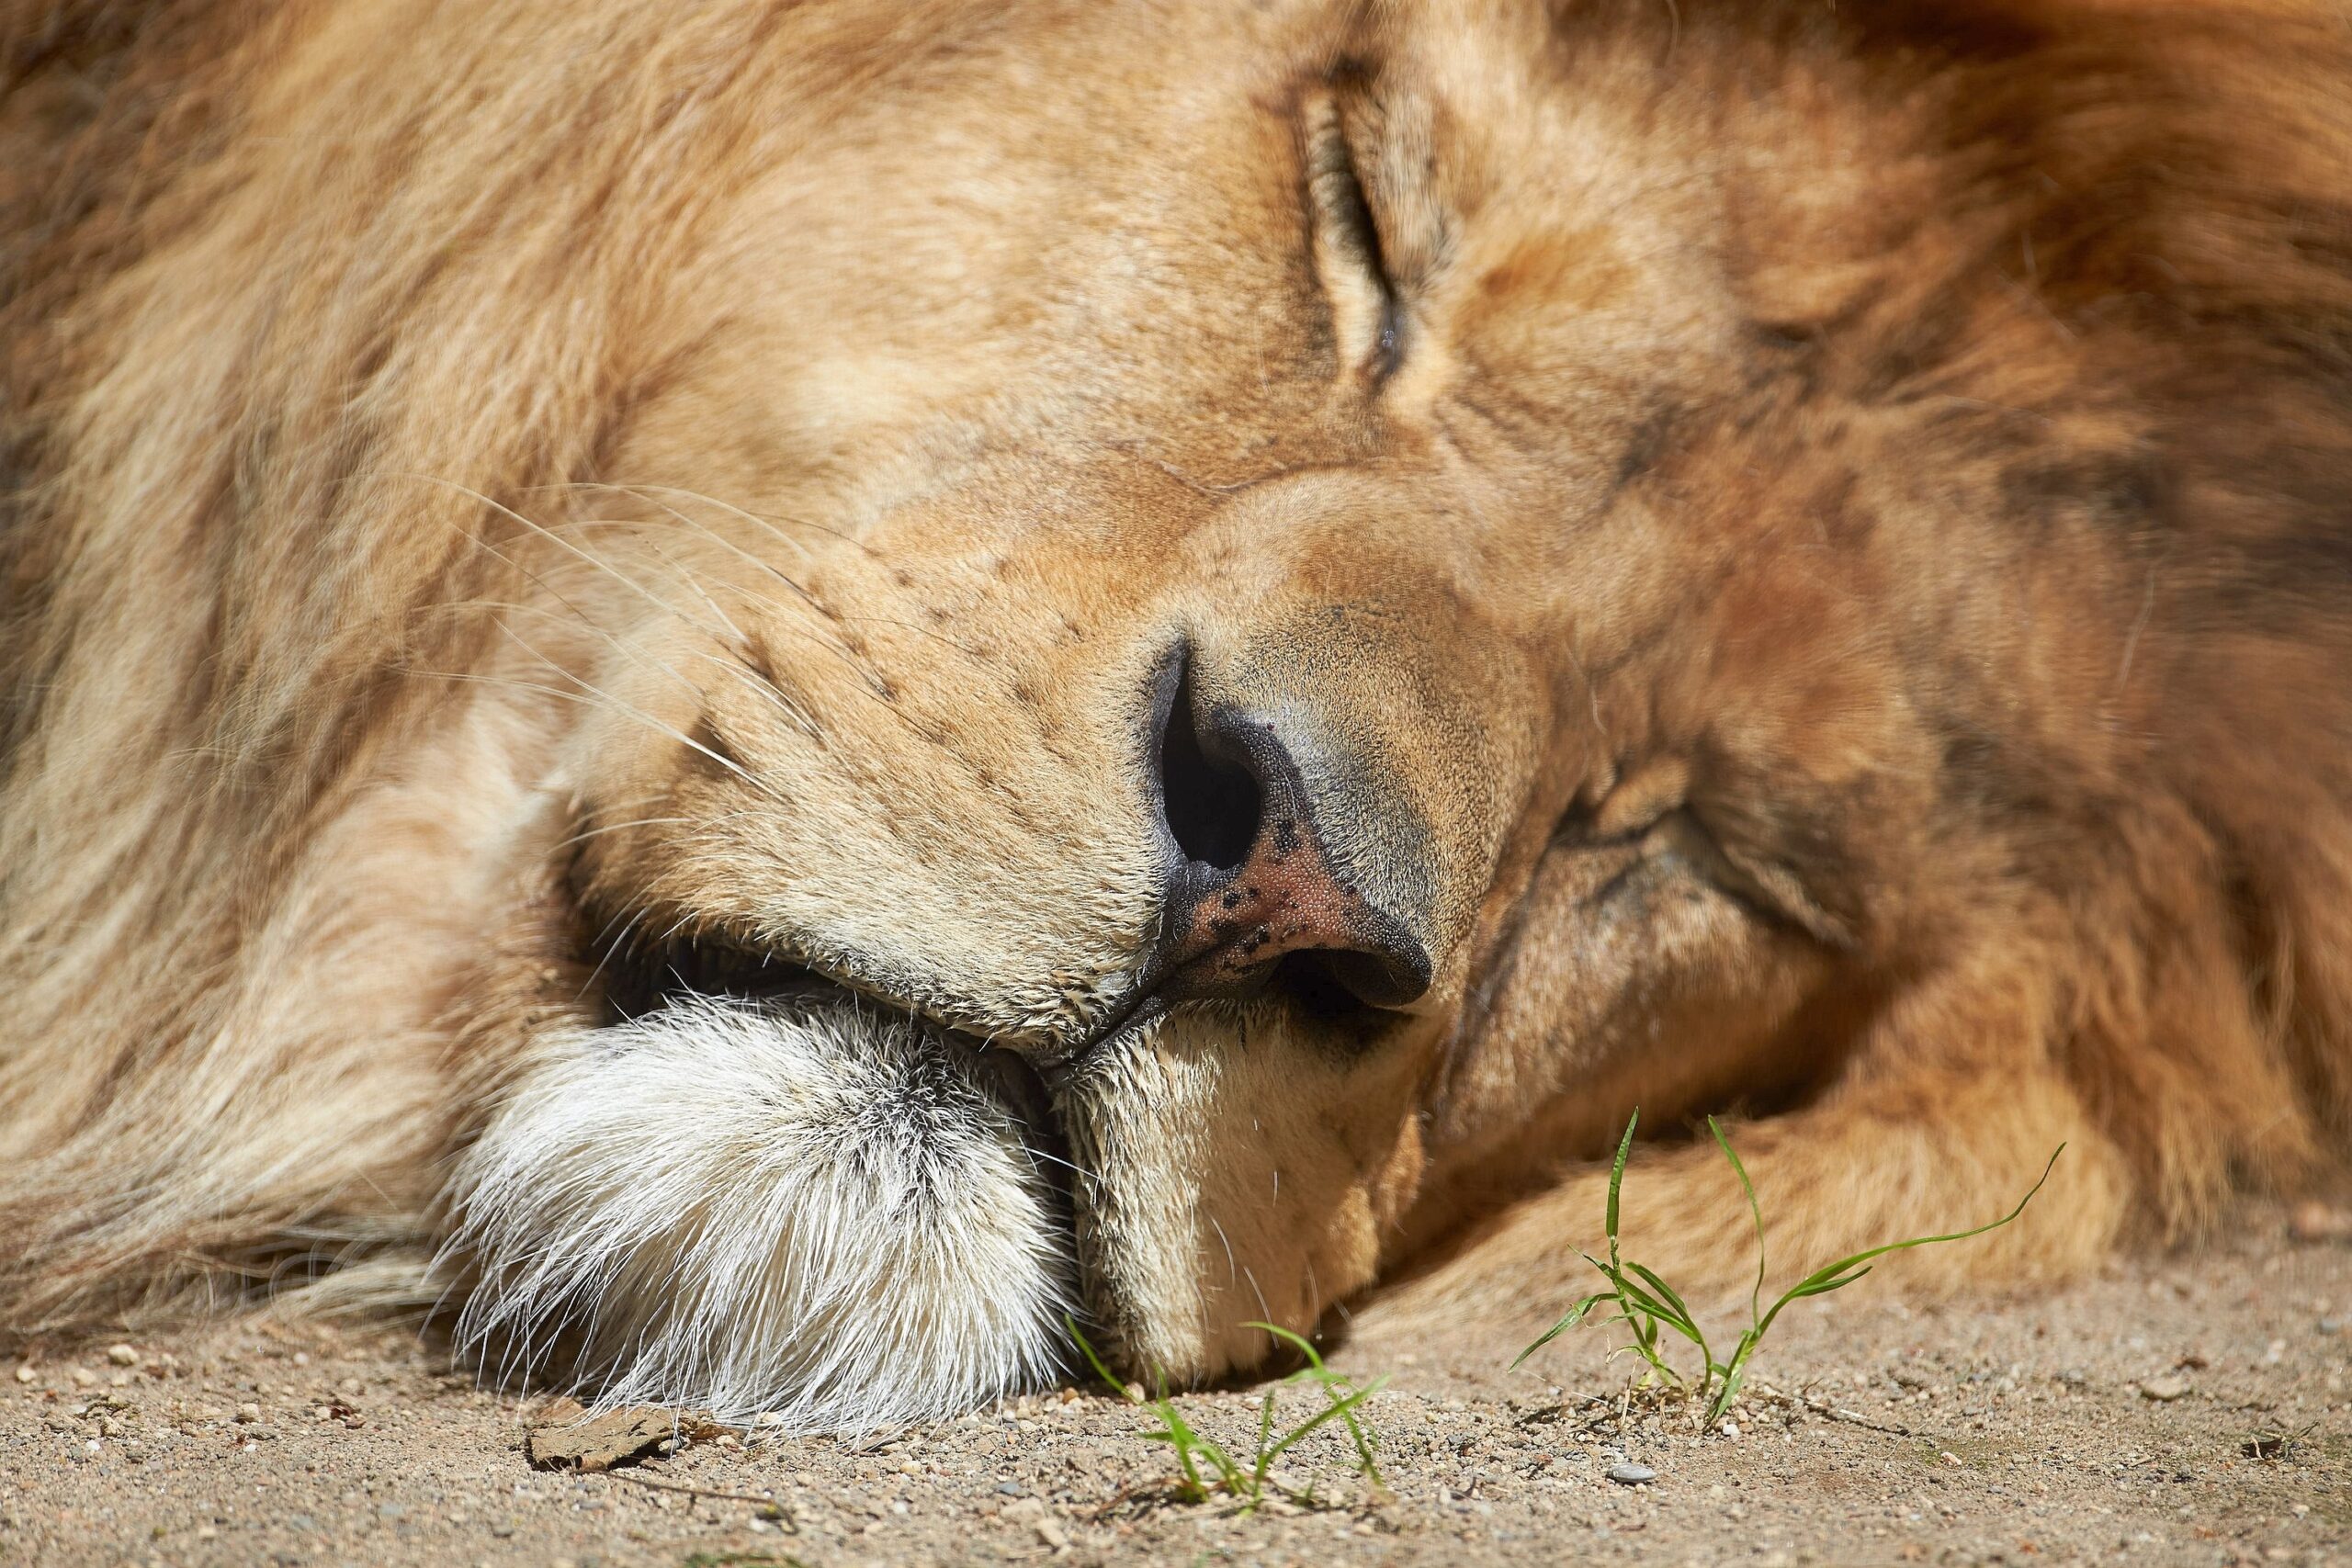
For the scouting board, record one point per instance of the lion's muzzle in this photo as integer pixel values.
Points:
(1258, 888)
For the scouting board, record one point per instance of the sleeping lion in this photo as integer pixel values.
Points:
(765, 694)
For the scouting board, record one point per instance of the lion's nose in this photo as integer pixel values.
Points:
(1256, 890)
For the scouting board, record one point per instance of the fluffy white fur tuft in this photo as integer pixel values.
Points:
(795, 1209)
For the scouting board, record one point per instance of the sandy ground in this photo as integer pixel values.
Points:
(2149, 1415)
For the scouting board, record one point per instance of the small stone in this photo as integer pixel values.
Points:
(1630, 1474)
(26, 1373)
(248, 1413)
(1729, 1429)
(2074, 1377)
(123, 1355)
(1010, 1488)
(2327, 1325)
(85, 1378)
(2163, 1391)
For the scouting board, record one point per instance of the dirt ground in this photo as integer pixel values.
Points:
(2184, 1409)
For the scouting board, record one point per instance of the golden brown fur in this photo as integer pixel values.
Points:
(1835, 607)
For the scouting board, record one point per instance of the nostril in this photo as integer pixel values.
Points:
(1257, 898)
(1212, 804)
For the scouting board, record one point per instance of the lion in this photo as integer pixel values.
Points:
(774, 697)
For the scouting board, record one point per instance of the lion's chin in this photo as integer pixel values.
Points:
(800, 1209)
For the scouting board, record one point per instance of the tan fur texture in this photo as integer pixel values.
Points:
(1803, 554)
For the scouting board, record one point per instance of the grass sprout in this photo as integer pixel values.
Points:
(1205, 1467)
(1650, 1308)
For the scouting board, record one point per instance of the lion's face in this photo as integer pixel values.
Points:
(804, 685)
(1257, 599)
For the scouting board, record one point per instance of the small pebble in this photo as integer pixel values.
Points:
(26, 1374)
(2074, 1377)
(1632, 1474)
(85, 1378)
(2327, 1325)
(1010, 1488)
(248, 1412)
(122, 1356)
(2165, 1389)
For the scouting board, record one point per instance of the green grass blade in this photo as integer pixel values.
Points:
(1367, 1440)
(1824, 1279)
(1656, 1311)
(1823, 1287)
(1569, 1320)
(1723, 1397)
(1265, 1430)
(1667, 1306)
(1297, 1342)
(1344, 1408)
(1663, 1291)
(1755, 1211)
(1685, 1322)
(1340, 1410)
(1096, 1363)
(1190, 1443)
(1617, 1176)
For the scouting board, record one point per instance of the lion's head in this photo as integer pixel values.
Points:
(821, 682)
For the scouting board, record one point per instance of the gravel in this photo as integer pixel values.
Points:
(378, 1456)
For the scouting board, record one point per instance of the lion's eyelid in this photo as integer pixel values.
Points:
(1349, 253)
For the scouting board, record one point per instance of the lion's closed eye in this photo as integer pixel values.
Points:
(1653, 813)
(1367, 315)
